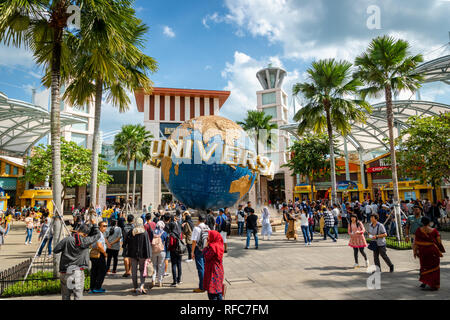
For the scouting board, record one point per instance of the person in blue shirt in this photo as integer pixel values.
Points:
(221, 227)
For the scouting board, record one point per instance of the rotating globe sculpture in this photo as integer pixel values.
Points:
(200, 175)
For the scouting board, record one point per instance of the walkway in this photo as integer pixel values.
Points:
(280, 269)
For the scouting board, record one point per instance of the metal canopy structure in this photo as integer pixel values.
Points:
(23, 124)
(373, 134)
(436, 70)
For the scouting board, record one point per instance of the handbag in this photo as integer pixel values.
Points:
(148, 268)
(373, 245)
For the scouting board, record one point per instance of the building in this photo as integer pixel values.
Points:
(272, 100)
(163, 110)
(11, 170)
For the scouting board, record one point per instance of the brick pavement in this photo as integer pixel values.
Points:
(280, 269)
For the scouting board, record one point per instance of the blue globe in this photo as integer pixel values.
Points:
(200, 179)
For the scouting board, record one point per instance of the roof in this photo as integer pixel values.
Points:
(373, 134)
(16, 161)
(23, 124)
(436, 70)
(221, 95)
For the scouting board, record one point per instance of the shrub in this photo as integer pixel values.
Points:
(37, 284)
(391, 242)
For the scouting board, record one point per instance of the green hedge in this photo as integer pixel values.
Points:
(38, 284)
(391, 242)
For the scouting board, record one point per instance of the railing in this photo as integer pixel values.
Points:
(40, 278)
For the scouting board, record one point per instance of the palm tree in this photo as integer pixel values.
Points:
(388, 66)
(328, 106)
(140, 152)
(123, 146)
(41, 26)
(106, 58)
(255, 122)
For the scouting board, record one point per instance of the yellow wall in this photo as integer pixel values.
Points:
(46, 195)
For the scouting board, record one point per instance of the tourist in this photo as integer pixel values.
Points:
(98, 262)
(291, 231)
(74, 258)
(29, 227)
(336, 214)
(2, 233)
(214, 274)
(311, 225)
(113, 236)
(305, 227)
(428, 247)
(378, 232)
(149, 225)
(125, 231)
(357, 241)
(221, 226)
(266, 229)
(175, 257)
(413, 223)
(344, 214)
(159, 251)
(367, 211)
(187, 227)
(46, 236)
(435, 214)
(166, 219)
(321, 221)
(199, 239)
(252, 228)
(210, 220)
(8, 219)
(240, 217)
(329, 223)
(248, 209)
(285, 219)
(138, 251)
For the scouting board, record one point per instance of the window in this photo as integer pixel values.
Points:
(269, 98)
(7, 169)
(272, 80)
(15, 171)
(80, 127)
(80, 139)
(272, 111)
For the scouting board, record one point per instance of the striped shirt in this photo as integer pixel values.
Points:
(329, 219)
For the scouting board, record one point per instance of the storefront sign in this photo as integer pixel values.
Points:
(377, 169)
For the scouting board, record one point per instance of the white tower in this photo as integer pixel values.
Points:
(274, 101)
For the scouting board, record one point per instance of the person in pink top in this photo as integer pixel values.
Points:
(357, 241)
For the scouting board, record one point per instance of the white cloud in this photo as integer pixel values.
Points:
(168, 32)
(317, 29)
(243, 84)
(13, 57)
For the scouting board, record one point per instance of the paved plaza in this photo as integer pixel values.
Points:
(279, 269)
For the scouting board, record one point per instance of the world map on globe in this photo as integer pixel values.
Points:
(209, 184)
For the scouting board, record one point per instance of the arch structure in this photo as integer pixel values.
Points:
(23, 124)
(436, 70)
(372, 135)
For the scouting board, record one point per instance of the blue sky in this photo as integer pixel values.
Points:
(219, 45)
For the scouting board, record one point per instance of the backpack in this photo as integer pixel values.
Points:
(203, 238)
(157, 244)
(180, 246)
(210, 221)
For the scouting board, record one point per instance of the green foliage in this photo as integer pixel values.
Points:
(310, 156)
(257, 121)
(424, 148)
(39, 283)
(340, 230)
(132, 142)
(391, 242)
(75, 165)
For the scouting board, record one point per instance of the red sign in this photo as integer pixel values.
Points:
(377, 169)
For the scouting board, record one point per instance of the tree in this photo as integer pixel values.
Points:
(387, 66)
(255, 123)
(75, 166)
(423, 149)
(132, 143)
(328, 104)
(310, 158)
(106, 58)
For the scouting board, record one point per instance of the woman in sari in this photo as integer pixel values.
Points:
(214, 274)
(291, 232)
(428, 247)
(265, 222)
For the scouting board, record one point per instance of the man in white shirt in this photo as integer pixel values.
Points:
(368, 209)
(374, 207)
(336, 214)
(198, 243)
(240, 215)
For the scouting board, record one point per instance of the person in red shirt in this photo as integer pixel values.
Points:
(214, 274)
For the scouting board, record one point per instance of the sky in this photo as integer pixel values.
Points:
(220, 45)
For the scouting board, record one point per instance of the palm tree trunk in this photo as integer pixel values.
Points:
(96, 141)
(258, 182)
(332, 164)
(390, 120)
(56, 138)
(128, 185)
(134, 183)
